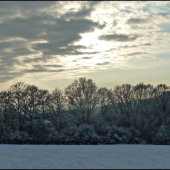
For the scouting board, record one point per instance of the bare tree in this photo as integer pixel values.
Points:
(83, 99)
(162, 98)
(18, 92)
(57, 105)
(123, 96)
(6, 107)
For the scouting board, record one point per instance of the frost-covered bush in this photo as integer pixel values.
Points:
(83, 134)
(43, 132)
(86, 134)
(4, 133)
(69, 133)
(117, 135)
(163, 136)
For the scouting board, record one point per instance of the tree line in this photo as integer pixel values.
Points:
(85, 114)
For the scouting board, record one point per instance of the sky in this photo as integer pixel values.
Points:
(50, 43)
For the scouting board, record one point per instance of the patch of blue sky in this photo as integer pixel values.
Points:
(167, 5)
(126, 10)
(147, 8)
(165, 10)
(164, 55)
(165, 27)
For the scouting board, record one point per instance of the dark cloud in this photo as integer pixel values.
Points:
(136, 53)
(4, 45)
(24, 24)
(31, 60)
(27, 28)
(12, 9)
(7, 73)
(16, 44)
(103, 63)
(39, 70)
(9, 61)
(36, 68)
(85, 10)
(147, 44)
(118, 37)
(86, 67)
(114, 23)
(86, 57)
(74, 60)
(62, 34)
(23, 51)
(134, 46)
(138, 20)
(78, 15)
(54, 65)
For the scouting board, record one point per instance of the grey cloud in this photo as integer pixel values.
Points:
(78, 15)
(30, 22)
(136, 53)
(86, 57)
(86, 67)
(64, 33)
(37, 68)
(85, 10)
(9, 61)
(147, 44)
(30, 28)
(68, 31)
(74, 60)
(58, 70)
(114, 23)
(4, 45)
(8, 73)
(23, 51)
(130, 55)
(12, 44)
(103, 63)
(30, 60)
(25, 5)
(10, 9)
(134, 46)
(53, 49)
(55, 65)
(118, 37)
(138, 20)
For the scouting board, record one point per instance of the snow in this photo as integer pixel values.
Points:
(84, 156)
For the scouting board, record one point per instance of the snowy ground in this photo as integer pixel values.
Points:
(84, 156)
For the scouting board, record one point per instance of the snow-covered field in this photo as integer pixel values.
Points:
(84, 156)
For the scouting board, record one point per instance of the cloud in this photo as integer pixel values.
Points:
(136, 53)
(138, 20)
(21, 39)
(74, 60)
(118, 37)
(103, 63)
(37, 37)
(13, 9)
(86, 57)
(53, 65)
(27, 28)
(81, 14)
(32, 60)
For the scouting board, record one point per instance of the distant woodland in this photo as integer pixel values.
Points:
(85, 114)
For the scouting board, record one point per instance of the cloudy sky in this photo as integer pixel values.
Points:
(51, 44)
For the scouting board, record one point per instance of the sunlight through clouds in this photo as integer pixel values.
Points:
(48, 41)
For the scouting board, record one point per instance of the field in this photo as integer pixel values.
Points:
(84, 156)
